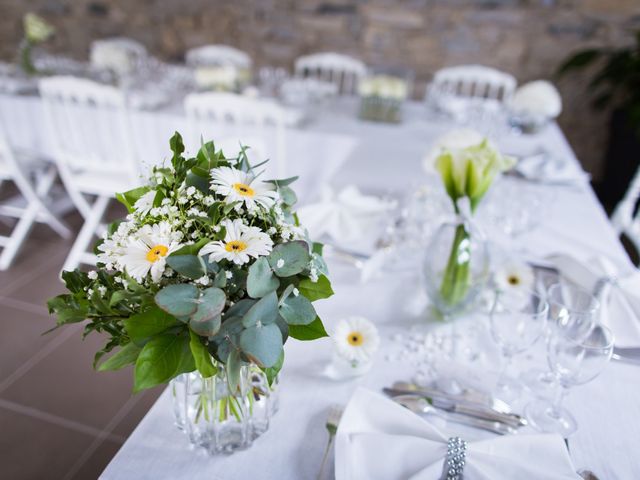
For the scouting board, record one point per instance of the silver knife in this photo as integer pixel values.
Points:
(627, 354)
(475, 410)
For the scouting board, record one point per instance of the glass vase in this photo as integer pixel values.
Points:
(217, 419)
(456, 267)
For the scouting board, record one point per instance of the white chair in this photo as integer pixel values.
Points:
(93, 147)
(255, 122)
(34, 202)
(475, 81)
(626, 216)
(342, 70)
(218, 55)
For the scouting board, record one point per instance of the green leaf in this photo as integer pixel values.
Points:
(287, 259)
(197, 181)
(67, 309)
(579, 60)
(264, 311)
(287, 195)
(312, 331)
(146, 324)
(75, 280)
(220, 280)
(161, 359)
(233, 370)
(229, 206)
(262, 344)
(206, 319)
(261, 280)
(190, 266)
(240, 308)
(125, 356)
(297, 310)
(317, 248)
(316, 291)
(129, 198)
(177, 146)
(201, 356)
(178, 300)
(272, 372)
(282, 183)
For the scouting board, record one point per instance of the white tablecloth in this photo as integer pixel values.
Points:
(381, 158)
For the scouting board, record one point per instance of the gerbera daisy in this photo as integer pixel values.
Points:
(356, 339)
(148, 249)
(240, 243)
(513, 276)
(238, 186)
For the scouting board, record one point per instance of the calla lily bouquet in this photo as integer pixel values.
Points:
(467, 174)
(36, 31)
(209, 269)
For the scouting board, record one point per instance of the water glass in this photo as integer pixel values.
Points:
(517, 321)
(575, 359)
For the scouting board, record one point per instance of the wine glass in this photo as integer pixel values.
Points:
(517, 321)
(575, 359)
(572, 309)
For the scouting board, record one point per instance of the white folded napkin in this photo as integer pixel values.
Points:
(621, 309)
(346, 217)
(378, 439)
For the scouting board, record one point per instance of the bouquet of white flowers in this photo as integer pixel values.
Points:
(209, 271)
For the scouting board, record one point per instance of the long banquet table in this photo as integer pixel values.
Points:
(386, 158)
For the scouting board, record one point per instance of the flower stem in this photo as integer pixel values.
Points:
(455, 282)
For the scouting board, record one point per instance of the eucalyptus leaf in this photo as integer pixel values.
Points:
(264, 311)
(161, 359)
(190, 266)
(287, 259)
(220, 280)
(150, 322)
(262, 344)
(283, 182)
(297, 310)
(287, 195)
(239, 308)
(261, 280)
(123, 357)
(178, 300)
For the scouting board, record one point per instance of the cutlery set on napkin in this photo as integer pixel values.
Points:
(379, 439)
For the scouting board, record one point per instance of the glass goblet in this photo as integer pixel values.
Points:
(572, 309)
(575, 360)
(517, 320)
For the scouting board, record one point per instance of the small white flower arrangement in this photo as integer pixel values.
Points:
(355, 342)
(36, 31)
(382, 97)
(209, 271)
(534, 104)
(226, 78)
(120, 56)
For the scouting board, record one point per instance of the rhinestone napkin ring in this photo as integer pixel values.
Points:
(455, 459)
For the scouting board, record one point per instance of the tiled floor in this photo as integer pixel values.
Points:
(59, 419)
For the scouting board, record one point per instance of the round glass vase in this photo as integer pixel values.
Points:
(456, 267)
(217, 419)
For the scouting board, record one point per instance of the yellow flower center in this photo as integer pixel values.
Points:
(513, 280)
(156, 252)
(355, 339)
(235, 246)
(244, 190)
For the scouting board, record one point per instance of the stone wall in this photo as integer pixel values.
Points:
(525, 37)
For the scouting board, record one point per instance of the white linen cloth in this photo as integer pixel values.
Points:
(547, 168)
(346, 216)
(620, 310)
(378, 439)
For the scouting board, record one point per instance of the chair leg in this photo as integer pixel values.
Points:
(18, 235)
(91, 225)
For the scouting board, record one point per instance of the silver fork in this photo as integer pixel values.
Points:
(333, 420)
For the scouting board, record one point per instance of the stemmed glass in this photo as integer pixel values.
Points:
(517, 321)
(575, 360)
(571, 309)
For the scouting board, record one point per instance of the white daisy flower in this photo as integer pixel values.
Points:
(240, 243)
(145, 203)
(238, 186)
(513, 276)
(356, 340)
(148, 249)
